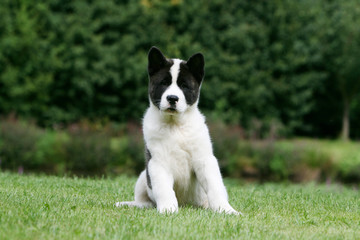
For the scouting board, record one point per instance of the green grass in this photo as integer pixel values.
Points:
(42, 207)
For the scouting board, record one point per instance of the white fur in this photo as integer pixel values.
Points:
(183, 168)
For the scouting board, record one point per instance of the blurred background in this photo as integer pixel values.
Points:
(281, 92)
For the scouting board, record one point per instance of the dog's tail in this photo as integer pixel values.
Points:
(135, 204)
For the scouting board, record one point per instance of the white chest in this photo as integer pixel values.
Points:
(172, 146)
(176, 145)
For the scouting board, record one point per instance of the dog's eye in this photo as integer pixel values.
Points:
(184, 85)
(166, 81)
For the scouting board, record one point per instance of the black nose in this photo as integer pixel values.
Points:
(172, 99)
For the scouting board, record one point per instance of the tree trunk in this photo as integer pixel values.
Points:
(345, 132)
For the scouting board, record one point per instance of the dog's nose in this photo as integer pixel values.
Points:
(172, 99)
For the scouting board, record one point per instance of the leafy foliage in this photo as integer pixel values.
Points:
(278, 61)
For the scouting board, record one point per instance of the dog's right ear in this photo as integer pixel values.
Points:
(156, 60)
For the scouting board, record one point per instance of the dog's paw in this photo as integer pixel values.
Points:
(167, 209)
(227, 209)
(231, 211)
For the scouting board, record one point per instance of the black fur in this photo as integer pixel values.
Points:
(188, 84)
(147, 159)
(159, 75)
(196, 64)
(156, 60)
(189, 80)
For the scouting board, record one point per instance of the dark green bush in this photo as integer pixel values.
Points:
(128, 149)
(82, 149)
(268, 159)
(289, 64)
(18, 145)
(103, 148)
(51, 152)
(87, 151)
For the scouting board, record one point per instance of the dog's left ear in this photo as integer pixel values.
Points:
(156, 60)
(196, 64)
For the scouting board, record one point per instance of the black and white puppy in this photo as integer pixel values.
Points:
(180, 165)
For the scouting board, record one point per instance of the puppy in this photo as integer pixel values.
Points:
(180, 165)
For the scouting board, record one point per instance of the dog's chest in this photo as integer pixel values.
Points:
(180, 146)
(177, 142)
(172, 145)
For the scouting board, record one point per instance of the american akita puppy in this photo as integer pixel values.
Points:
(180, 165)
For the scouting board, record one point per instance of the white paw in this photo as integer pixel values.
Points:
(227, 209)
(167, 209)
(230, 211)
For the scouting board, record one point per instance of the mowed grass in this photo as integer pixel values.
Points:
(43, 207)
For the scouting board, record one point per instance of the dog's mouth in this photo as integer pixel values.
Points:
(171, 110)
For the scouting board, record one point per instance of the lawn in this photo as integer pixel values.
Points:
(43, 207)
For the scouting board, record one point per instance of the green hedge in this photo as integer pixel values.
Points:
(294, 62)
(80, 149)
(108, 149)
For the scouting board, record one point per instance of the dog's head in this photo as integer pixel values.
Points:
(174, 84)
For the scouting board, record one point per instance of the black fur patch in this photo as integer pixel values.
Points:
(158, 84)
(196, 65)
(188, 84)
(159, 75)
(147, 159)
(190, 77)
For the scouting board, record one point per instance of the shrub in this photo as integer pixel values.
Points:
(128, 148)
(105, 148)
(87, 151)
(273, 160)
(83, 149)
(18, 145)
(51, 153)
(225, 142)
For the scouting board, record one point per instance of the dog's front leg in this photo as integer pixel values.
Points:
(162, 188)
(208, 174)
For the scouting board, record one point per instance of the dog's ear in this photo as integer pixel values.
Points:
(196, 64)
(156, 60)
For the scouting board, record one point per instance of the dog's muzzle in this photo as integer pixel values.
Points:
(172, 99)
